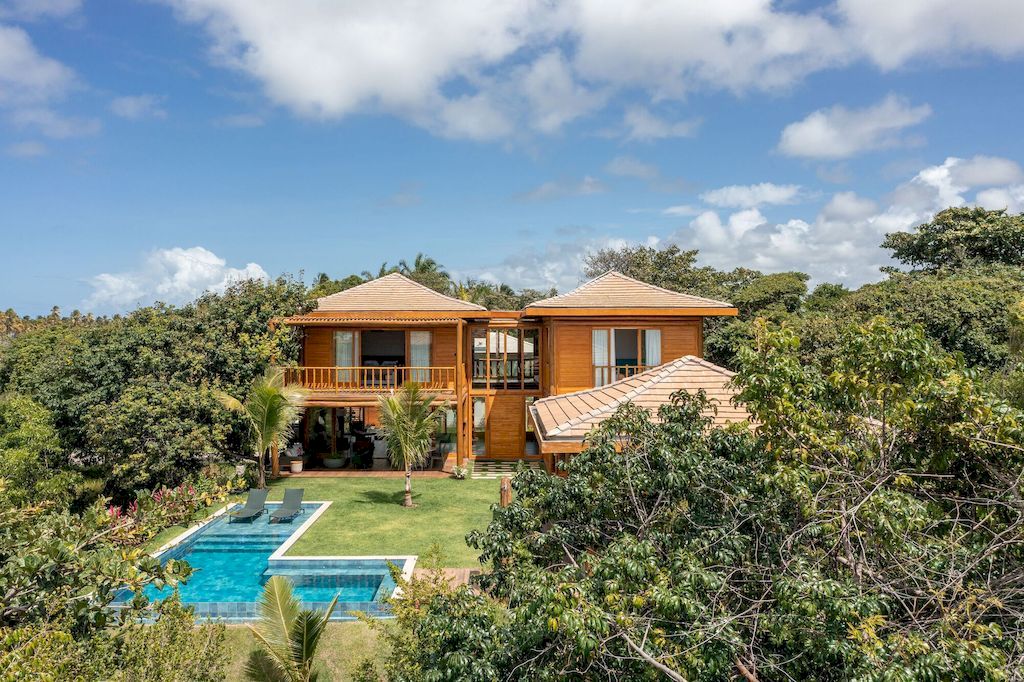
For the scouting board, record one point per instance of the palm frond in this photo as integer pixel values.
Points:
(261, 666)
(230, 402)
(278, 609)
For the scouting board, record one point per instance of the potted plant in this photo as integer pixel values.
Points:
(296, 458)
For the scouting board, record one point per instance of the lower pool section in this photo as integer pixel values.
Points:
(232, 561)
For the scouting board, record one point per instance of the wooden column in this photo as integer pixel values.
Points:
(505, 491)
(460, 387)
(275, 460)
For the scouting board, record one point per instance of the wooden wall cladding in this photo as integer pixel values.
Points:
(319, 348)
(683, 338)
(443, 347)
(506, 419)
(573, 364)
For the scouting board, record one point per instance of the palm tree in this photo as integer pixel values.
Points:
(288, 636)
(385, 269)
(427, 272)
(409, 421)
(271, 409)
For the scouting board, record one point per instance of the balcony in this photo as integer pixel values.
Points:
(373, 379)
(606, 374)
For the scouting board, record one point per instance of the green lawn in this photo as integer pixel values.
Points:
(366, 516)
(342, 648)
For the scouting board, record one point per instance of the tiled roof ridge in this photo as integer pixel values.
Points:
(407, 280)
(615, 273)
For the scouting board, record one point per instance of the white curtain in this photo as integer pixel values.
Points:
(419, 356)
(344, 354)
(652, 347)
(599, 350)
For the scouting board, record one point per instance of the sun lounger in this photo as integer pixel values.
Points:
(290, 508)
(255, 505)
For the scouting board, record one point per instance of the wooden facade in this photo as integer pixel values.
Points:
(487, 367)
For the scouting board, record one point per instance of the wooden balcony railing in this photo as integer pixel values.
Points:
(380, 379)
(606, 374)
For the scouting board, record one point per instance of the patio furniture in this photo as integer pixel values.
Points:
(255, 505)
(290, 507)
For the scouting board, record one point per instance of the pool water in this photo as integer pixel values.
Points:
(231, 562)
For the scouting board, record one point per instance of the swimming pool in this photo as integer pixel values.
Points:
(231, 562)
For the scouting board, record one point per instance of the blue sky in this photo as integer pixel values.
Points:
(151, 150)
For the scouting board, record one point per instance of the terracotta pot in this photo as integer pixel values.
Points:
(296, 465)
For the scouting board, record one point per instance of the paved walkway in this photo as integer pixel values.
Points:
(492, 469)
(455, 576)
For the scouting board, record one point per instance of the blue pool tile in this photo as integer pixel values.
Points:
(231, 563)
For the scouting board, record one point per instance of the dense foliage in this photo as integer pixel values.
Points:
(959, 235)
(871, 528)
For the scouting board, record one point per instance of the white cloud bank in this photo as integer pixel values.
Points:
(839, 244)
(492, 69)
(175, 275)
(839, 133)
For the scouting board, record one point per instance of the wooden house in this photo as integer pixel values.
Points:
(488, 367)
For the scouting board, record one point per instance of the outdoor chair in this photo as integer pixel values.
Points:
(290, 507)
(255, 505)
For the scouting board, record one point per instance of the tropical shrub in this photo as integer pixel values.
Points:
(870, 528)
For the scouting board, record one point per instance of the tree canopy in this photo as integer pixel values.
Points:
(959, 235)
(871, 528)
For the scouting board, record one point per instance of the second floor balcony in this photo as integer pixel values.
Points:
(370, 378)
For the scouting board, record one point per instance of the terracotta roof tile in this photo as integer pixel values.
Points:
(571, 416)
(392, 292)
(615, 290)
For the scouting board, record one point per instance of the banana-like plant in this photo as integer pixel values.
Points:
(288, 636)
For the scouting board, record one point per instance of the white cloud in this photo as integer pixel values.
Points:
(746, 196)
(490, 69)
(839, 132)
(31, 83)
(1009, 198)
(175, 275)
(138, 107)
(53, 124)
(556, 189)
(987, 170)
(629, 167)
(644, 126)
(682, 210)
(28, 78)
(894, 33)
(31, 10)
(26, 150)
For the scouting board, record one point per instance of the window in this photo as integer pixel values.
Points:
(479, 425)
(419, 356)
(479, 337)
(506, 358)
(344, 354)
(621, 353)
